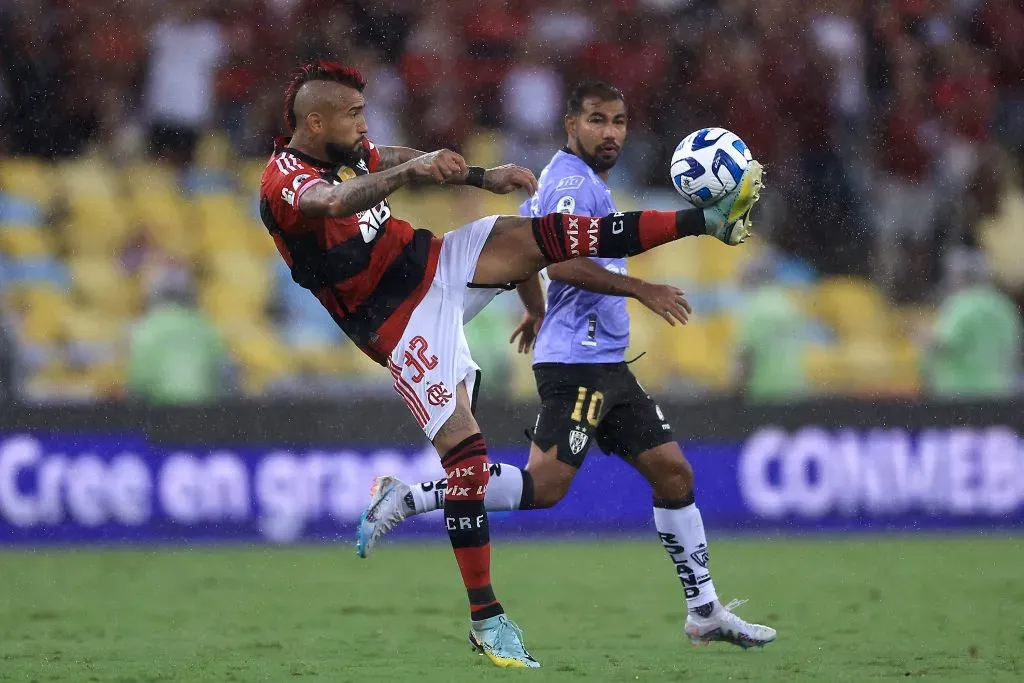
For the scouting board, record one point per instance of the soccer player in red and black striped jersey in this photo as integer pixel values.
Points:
(403, 294)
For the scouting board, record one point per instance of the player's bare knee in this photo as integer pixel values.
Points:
(510, 253)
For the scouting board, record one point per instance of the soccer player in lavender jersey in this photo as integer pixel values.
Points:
(587, 391)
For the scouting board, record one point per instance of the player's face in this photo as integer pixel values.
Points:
(599, 132)
(345, 127)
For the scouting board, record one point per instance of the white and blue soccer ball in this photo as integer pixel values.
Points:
(708, 164)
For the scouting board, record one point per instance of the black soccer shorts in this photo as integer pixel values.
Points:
(602, 401)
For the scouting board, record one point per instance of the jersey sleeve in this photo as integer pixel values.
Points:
(286, 180)
(571, 194)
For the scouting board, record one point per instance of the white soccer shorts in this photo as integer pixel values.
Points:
(433, 356)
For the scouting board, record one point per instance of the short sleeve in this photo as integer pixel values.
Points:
(286, 179)
(570, 194)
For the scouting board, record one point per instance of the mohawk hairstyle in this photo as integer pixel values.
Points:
(321, 70)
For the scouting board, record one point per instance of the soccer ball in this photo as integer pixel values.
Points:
(708, 164)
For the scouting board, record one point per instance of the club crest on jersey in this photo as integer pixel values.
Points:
(577, 441)
(566, 204)
(438, 394)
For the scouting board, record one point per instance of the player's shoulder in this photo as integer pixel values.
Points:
(566, 188)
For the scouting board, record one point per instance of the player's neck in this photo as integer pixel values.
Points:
(302, 142)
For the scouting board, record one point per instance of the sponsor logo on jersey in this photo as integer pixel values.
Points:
(288, 195)
(372, 220)
(570, 182)
(298, 180)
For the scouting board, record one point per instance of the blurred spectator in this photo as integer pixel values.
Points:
(771, 336)
(176, 354)
(975, 347)
(531, 97)
(905, 197)
(185, 50)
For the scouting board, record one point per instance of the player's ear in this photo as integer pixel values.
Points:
(314, 122)
(570, 125)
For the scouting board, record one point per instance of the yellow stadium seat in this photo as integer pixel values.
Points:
(25, 241)
(100, 213)
(243, 271)
(44, 314)
(159, 208)
(262, 357)
(150, 177)
(88, 177)
(485, 148)
(104, 286)
(87, 323)
(231, 305)
(249, 174)
(28, 178)
(850, 306)
(214, 151)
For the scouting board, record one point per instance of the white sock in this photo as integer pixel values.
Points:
(682, 533)
(504, 491)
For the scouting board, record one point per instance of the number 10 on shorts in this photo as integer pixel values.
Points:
(590, 399)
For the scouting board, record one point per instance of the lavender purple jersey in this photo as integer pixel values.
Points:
(580, 326)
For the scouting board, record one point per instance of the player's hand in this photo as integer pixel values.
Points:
(437, 167)
(527, 331)
(667, 301)
(508, 178)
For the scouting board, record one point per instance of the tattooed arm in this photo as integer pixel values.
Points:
(353, 196)
(394, 156)
(500, 180)
(365, 192)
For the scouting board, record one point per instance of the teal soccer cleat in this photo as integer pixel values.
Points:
(728, 219)
(386, 510)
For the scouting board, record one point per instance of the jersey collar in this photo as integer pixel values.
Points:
(281, 145)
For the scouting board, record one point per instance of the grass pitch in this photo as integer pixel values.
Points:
(847, 609)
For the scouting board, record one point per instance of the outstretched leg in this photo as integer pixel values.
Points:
(519, 247)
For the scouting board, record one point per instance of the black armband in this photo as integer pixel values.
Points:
(475, 177)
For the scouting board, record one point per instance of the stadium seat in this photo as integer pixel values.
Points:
(214, 151)
(103, 285)
(17, 209)
(850, 306)
(485, 148)
(249, 174)
(262, 357)
(22, 242)
(28, 178)
(88, 177)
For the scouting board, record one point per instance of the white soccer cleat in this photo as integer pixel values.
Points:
(725, 626)
(386, 510)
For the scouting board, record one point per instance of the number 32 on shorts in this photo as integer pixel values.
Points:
(590, 400)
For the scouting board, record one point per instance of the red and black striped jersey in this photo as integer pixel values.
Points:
(369, 270)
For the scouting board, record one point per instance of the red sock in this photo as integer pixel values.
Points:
(466, 520)
(563, 236)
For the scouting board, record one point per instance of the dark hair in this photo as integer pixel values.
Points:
(322, 70)
(599, 89)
